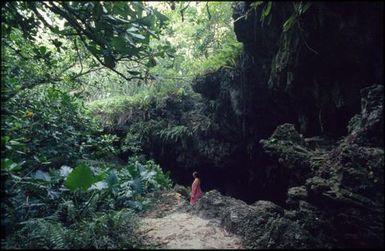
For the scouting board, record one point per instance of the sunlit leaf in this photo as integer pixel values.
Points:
(100, 185)
(53, 194)
(41, 175)
(136, 35)
(65, 171)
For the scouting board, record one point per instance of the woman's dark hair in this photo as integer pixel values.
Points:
(196, 174)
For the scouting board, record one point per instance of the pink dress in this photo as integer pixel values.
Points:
(196, 191)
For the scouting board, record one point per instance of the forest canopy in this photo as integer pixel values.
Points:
(70, 40)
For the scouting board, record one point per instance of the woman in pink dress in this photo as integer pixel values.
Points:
(196, 191)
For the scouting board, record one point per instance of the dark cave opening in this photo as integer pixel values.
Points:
(244, 179)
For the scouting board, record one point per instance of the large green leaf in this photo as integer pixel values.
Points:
(112, 178)
(81, 177)
(137, 185)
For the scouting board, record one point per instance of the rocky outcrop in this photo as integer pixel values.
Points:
(261, 225)
(366, 128)
(291, 149)
(183, 191)
(335, 197)
(313, 219)
(343, 187)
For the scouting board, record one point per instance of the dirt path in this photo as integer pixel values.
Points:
(175, 229)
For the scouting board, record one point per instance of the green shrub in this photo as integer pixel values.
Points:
(111, 229)
(58, 200)
(45, 126)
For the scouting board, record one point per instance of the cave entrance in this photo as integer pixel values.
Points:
(245, 181)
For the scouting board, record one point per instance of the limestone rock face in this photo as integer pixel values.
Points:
(341, 202)
(213, 205)
(296, 194)
(261, 225)
(367, 127)
(290, 148)
(208, 85)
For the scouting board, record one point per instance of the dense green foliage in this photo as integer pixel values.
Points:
(73, 74)
(188, 47)
(69, 199)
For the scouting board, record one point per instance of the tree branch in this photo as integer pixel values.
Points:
(208, 11)
(86, 72)
(102, 63)
(182, 11)
(49, 80)
(39, 16)
(77, 52)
